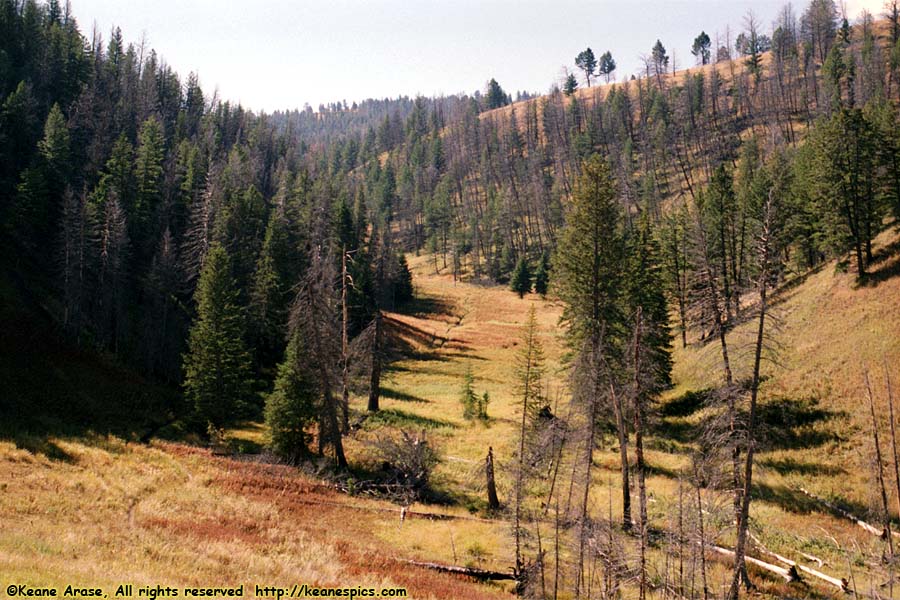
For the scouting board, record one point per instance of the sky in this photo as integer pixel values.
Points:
(281, 54)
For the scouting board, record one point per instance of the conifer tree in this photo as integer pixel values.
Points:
(588, 268)
(542, 276)
(587, 62)
(700, 48)
(570, 84)
(292, 407)
(217, 365)
(589, 258)
(148, 173)
(521, 278)
(607, 65)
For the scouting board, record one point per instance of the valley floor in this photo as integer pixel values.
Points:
(99, 511)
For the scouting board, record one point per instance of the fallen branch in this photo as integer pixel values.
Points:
(480, 574)
(841, 584)
(812, 558)
(882, 533)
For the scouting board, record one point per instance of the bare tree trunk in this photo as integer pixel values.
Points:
(589, 463)
(375, 378)
(623, 458)
(702, 533)
(345, 347)
(890, 395)
(766, 243)
(880, 467)
(639, 454)
(493, 501)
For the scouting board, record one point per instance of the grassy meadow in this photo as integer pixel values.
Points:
(97, 508)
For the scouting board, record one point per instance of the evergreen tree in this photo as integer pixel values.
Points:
(521, 278)
(844, 184)
(148, 173)
(589, 258)
(646, 292)
(587, 62)
(402, 282)
(496, 97)
(660, 60)
(470, 401)
(570, 84)
(607, 65)
(700, 48)
(542, 276)
(217, 366)
(291, 408)
(268, 298)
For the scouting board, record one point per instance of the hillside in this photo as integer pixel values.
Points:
(175, 514)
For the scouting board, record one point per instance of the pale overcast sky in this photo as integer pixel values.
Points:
(280, 54)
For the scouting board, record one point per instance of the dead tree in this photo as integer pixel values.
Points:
(493, 501)
(768, 253)
(879, 465)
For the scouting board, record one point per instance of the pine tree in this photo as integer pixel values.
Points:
(587, 62)
(521, 278)
(268, 298)
(542, 276)
(589, 258)
(468, 398)
(607, 65)
(148, 173)
(217, 365)
(646, 290)
(588, 269)
(292, 407)
(700, 48)
(496, 97)
(570, 84)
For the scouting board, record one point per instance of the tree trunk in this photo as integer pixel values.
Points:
(375, 378)
(493, 501)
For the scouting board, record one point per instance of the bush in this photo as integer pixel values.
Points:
(408, 462)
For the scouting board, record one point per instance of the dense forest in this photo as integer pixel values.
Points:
(247, 260)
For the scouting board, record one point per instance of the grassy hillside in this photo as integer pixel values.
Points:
(90, 507)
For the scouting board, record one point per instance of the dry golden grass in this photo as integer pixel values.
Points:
(174, 515)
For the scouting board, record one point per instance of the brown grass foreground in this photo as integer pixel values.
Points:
(169, 514)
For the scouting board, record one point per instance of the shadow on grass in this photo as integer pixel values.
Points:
(783, 423)
(406, 341)
(423, 306)
(394, 417)
(393, 394)
(794, 501)
(790, 466)
(887, 270)
(686, 404)
(796, 424)
(39, 444)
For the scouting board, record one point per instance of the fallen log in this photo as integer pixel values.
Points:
(789, 575)
(841, 584)
(480, 574)
(847, 515)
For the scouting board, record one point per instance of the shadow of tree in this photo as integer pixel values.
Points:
(421, 306)
(395, 417)
(393, 394)
(791, 466)
(794, 424)
(888, 269)
(783, 423)
(686, 404)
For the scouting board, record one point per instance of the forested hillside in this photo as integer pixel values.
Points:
(174, 265)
